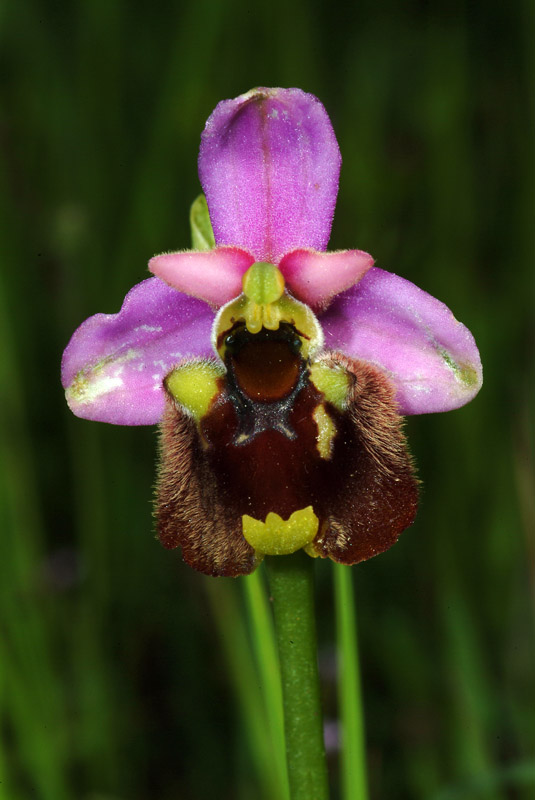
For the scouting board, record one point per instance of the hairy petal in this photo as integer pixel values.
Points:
(212, 275)
(269, 164)
(414, 338)
(114, 365)
(315, 278)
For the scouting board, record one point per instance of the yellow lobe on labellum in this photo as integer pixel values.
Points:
(333, 382)
(326, 431)
(278, 537)
(194, 386)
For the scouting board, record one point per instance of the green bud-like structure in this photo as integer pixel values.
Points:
(263, 283)
(265, 305)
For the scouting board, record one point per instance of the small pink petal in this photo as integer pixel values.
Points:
(211, 275)
(316, 277)
(114, 365)
(414, 338)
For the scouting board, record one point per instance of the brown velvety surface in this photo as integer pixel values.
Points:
(191, 512)
(256, 451)
(377, 494)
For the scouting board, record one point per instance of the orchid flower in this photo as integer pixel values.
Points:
(278, 372)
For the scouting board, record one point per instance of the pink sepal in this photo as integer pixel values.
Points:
(113, 367)
(269, 165)
(430, 357)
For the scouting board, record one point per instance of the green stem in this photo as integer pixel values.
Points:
(291, 582)
(353, 756)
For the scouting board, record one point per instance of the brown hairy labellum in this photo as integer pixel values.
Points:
(258, 450)
(378, 492)
(190, 512)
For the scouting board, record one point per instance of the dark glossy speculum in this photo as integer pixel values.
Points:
(266, 366)
(261, 431)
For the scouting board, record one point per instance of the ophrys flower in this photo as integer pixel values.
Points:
(281, 414)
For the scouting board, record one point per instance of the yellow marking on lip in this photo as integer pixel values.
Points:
(332, 381)
(326, 431)
(278, 537)
(194, 386)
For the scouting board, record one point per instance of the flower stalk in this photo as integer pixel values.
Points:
(291, 582)
(353, 773)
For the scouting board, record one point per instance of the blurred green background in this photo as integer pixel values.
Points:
(117, 679)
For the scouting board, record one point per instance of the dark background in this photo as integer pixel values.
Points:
(113, 680)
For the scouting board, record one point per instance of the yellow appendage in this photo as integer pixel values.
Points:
(263, 283)
(194, 386)
(263, 286)
(278, 537)
(332, 381)
(326, 431)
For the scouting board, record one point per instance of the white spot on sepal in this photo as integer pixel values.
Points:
(84, 391)
(149, 328)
